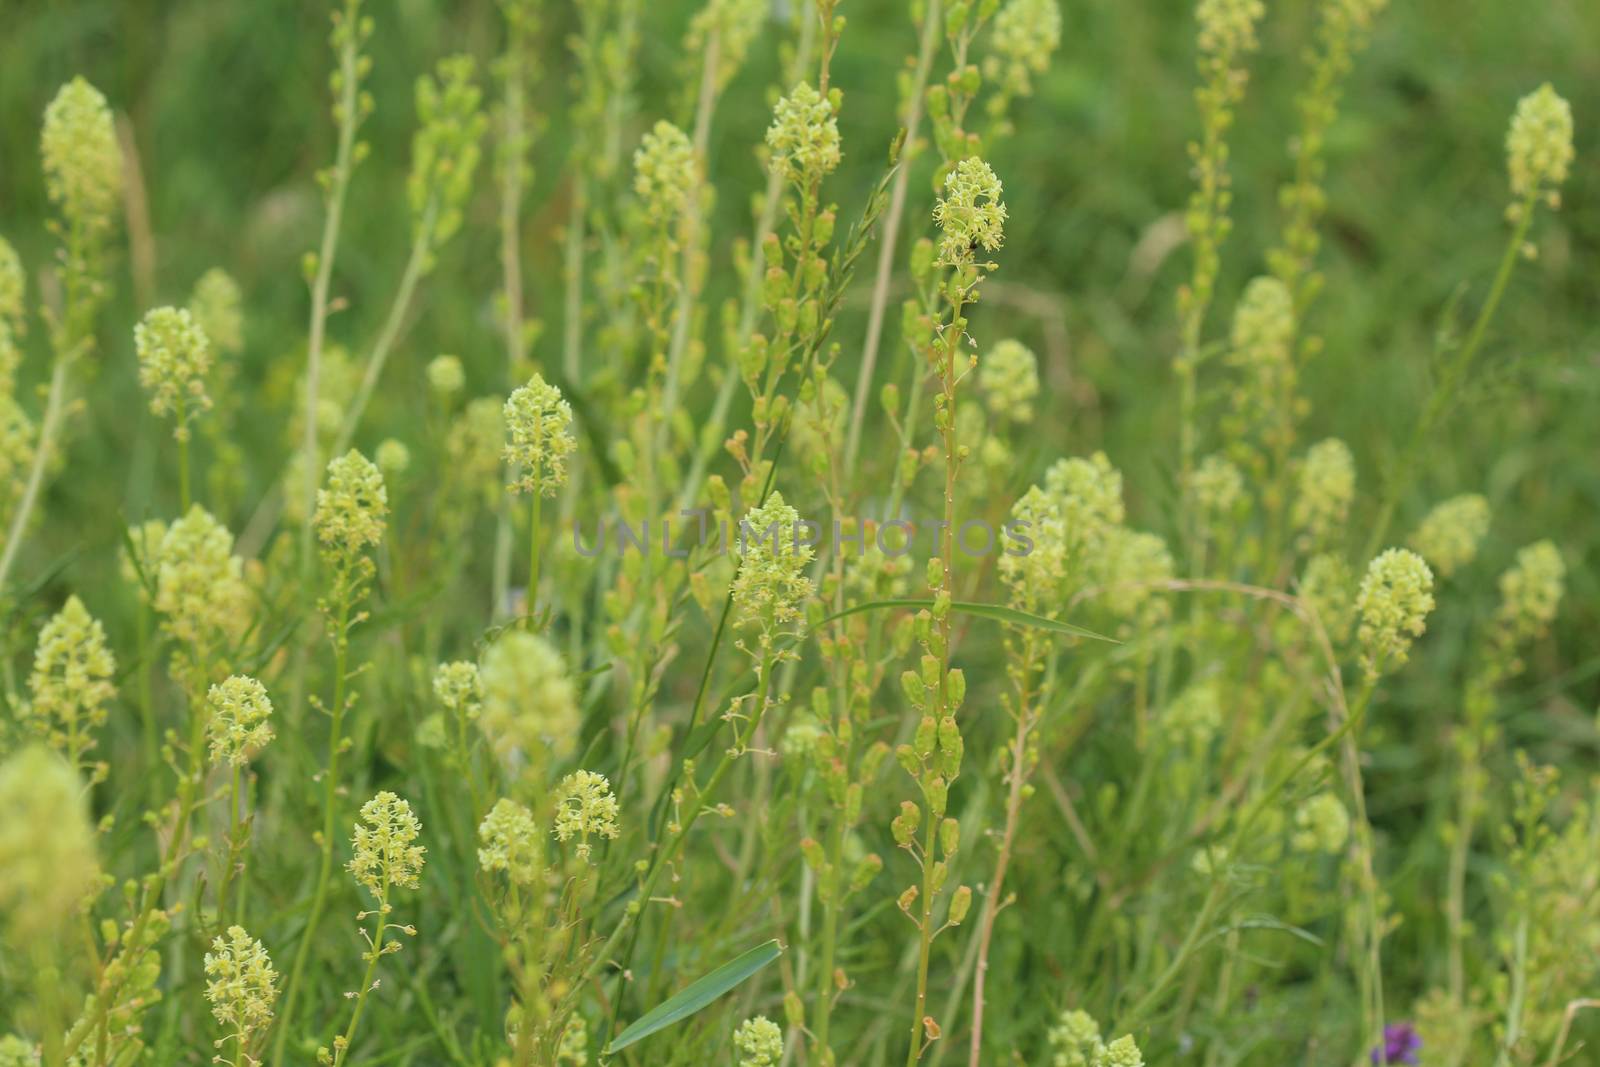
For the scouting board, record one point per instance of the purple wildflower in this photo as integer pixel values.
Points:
(1401, 1044)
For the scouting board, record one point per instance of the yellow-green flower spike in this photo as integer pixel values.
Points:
(351, 507)
(240, 722)
(538, 437)
(47, 858)
(970, 214)
(71, 681)
(386, 852)
(759, 1042)
(82, 161)
(1392, 605)
(241, 984)
(1539, 145)
(585, 807)
(804, 136)
(1449, 535)
(174, 359)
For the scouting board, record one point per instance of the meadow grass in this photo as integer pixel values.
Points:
(972, 531)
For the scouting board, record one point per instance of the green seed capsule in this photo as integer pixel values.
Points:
(960, 904)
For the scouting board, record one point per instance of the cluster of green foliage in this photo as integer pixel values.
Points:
(340, 722)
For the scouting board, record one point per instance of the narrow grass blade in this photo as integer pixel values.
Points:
(696, 995)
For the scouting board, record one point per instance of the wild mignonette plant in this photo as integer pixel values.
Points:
(1044, 674)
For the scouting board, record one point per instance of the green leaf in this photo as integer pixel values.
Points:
(696, 995)
(993, 612)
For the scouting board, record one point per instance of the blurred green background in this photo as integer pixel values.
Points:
(228, 106)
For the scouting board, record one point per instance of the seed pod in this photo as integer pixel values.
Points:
(872, 761)
(949, 836)
(906, 756)
(958, 688)
(904, 826)
(925, 737)
(794, 1010)
(908, 899)
(951, 747)
(960, 904)
(867, 869)
(915, 691)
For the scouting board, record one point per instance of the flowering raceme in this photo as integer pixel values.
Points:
(771, 587)
(47, 857)
(664, 171)
(217, 305)
(804, 136)
(82, 162)
(529, 703)
(1088, 495)
(199, 582)
(759, 1042)
(71, 680)
(1327, 486)
(1392, 605)
(174, 359)
(1449, 535)
(585, 806)
(1530, 594)
(1035, 577)
(351, 507)
(1009, 377)
(1539, 145)
(508, 841)
(1075, 1042)
(538, 437)
(386, 852)
(240, 983)
(970, 214)
(459, 687)
(1228, 27)
(1217, 486)
(1026, 34)
(240, 720)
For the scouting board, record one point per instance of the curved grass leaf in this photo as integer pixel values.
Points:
(994, 612)
(696, 995)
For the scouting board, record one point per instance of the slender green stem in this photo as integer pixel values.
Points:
(927, 46)
(416, 268)
(948, 346)
(1455, 371)
(513, 180)
(339, 182)
(233, 851)
(993, 899)
(533, 551)
(341, 1047)
(1519, 992)
(330, 801)
(54, 411)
